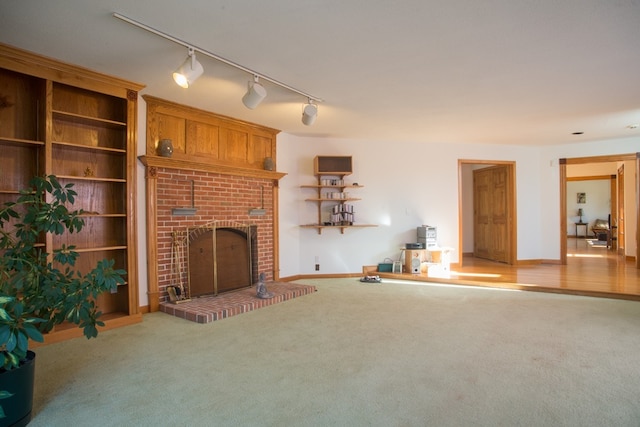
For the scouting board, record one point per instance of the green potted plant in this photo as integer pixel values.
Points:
(40, 289)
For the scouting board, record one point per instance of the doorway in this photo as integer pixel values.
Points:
(486, 228)
(635, 159)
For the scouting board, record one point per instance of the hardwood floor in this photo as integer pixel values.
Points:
(590, 271)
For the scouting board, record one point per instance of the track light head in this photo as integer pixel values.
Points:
(255, 94)
(189, 71)
(309, 113)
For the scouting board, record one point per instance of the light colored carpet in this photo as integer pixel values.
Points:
(356, 354)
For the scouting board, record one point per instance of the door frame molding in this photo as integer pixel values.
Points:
(512, 205)
(563, 195)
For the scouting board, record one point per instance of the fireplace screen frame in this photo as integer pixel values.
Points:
(250, 232)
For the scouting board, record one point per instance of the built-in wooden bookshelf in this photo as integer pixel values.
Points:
(79, 125)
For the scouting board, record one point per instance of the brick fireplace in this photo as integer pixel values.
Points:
(223, 169)
(217, 198)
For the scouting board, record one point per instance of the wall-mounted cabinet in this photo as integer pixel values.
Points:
(333, 194)
(80, 126)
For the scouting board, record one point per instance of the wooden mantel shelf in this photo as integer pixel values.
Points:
(171, 163)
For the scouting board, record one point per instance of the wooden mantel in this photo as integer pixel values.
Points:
(170, 163)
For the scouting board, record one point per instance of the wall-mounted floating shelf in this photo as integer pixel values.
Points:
(332, 189)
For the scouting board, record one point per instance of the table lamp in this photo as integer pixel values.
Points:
(580, 213)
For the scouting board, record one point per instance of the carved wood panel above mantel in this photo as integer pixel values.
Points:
(201, 137)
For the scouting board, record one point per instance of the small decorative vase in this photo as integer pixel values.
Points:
(165, 147)
(268, 163)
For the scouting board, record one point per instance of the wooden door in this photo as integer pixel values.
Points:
(481, 214)
(621, 227)
(492, 214)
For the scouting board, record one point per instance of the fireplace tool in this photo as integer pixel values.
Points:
(177, 292)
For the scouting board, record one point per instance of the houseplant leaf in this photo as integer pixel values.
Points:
(39, 290)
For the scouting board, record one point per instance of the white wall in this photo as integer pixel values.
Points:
(406, 185)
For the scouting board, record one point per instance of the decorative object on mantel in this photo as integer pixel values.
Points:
(261, 289)
(165, 147)
(268, 164)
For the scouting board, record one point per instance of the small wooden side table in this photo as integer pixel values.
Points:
(586, 228)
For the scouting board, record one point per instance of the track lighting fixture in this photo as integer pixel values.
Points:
(192, 69)
(255, 94)
(189, 71)
(309, 113)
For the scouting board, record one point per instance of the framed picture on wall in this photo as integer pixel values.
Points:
(582, 197)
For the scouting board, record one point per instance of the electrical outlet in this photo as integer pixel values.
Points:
(317, 267)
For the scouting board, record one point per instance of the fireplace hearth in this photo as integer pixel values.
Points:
(208, 309)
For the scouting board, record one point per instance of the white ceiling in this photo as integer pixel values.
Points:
(468, 71)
